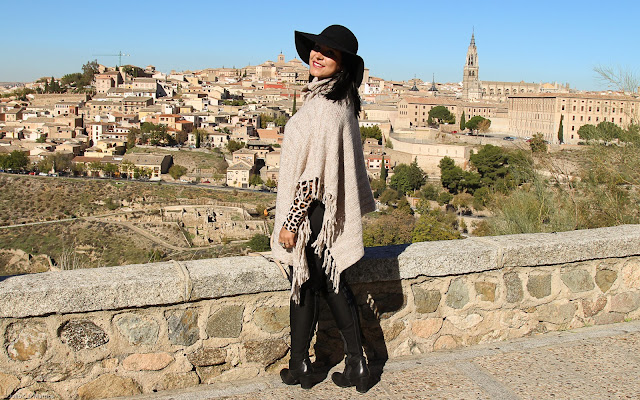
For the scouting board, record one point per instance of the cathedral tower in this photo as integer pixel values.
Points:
(470, 82)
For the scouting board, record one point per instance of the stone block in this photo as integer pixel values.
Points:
(625, 302)
(441, 258)
(137, 330)
(271, 319)
(608, 318)
(80, 334)
(226, 322)
(445, 342)
(92, 289)
(605, 278)
(107, 386)
(265, 352)
(425, 328)
(560, 248)
(539, 286)
(577, 280)
(486, 291)
(392, 330)
(426, 301)
(513, 284)
(8, 384)
(207, 356)
(591, 308)
(210, 374)
(174, 381)
(224, 277)
(147, 361)
(26, 340)
(183, 326)
(631, 273)
(465, 323)
(556, 314)
(458, 294)
(58, 372)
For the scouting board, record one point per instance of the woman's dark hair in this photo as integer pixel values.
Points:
(345, 86)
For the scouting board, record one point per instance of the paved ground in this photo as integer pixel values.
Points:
(593, 363)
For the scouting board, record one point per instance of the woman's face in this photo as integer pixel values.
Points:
(324, 61)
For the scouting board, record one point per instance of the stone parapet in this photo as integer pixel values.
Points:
(106, 332)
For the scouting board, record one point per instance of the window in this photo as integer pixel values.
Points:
(563, 107)
(589, 108)
(581, 108)
(574, 108)
(597, 119)
(581, 118)
(574, 118)
(573, 128)
(597, 109)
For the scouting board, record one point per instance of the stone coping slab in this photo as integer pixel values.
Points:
(163, 283)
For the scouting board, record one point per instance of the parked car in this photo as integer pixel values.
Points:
(509, 138)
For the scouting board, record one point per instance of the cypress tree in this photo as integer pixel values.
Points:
(561, 131)
(383, 172)
(462, 122)
(293, 110)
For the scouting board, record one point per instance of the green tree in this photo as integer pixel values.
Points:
(388, 229)
(132, 137)
(41, 139)
(538, 144)
(389, 196)
(16, 161)
(370, 132)
(451, 176)
(407, 178)
(255, 180)
(89, 70)
(182, 137)
(176, 171)
(463, 122)
(197, 139)
(491, 162)
(234, 145)
(442, 114)
(271, 184)
(588, 132)
(259, 243)
(473, 122)
(110, 169)
(95, 167)
(561, 131)
(433, 226)
(293, 109)
(383, 172)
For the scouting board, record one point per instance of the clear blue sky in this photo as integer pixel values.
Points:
(534, 41)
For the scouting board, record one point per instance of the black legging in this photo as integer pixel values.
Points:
(304, 316)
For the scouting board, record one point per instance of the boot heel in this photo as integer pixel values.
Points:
(306, 382)
(362, 384)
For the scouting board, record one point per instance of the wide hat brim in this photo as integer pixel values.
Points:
(348, 46)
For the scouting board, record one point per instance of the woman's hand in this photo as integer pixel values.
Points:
(286, 239)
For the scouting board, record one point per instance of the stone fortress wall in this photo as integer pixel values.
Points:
(118, 331)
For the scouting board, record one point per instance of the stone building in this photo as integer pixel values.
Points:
(541, 113)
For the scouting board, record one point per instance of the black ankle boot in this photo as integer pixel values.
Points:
(298, 373)
(356, 373)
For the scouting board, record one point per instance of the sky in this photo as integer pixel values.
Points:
(531, 41)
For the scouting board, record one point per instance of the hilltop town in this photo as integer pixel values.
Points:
(223, 127)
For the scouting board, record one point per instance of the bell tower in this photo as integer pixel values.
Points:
(470, 82)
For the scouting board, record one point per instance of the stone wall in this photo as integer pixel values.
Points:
(89, 334)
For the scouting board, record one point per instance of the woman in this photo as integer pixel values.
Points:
(323, 191)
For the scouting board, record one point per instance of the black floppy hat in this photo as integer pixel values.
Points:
(335, 36)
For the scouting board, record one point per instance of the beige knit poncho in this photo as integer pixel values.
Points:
(322, 144)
